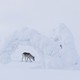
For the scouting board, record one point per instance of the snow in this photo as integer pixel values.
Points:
(47, 51)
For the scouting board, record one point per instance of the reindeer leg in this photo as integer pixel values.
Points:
(26, 59)
(22, 58)
(30, 60)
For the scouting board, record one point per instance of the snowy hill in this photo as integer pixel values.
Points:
(52, 53)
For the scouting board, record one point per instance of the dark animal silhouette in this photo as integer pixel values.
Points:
(27, 56)
(61, 46)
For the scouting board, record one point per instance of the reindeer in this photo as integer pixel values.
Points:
(27, 56)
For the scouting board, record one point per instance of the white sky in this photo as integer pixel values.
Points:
(42, 15)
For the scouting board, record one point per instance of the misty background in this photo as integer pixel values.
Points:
(41, 15)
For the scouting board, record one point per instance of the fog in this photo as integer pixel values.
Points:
(41, 15)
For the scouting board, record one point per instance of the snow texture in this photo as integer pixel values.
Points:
(52, 53)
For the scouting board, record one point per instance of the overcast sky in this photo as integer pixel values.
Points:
(42, 15)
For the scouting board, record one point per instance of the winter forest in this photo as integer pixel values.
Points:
(56, 52)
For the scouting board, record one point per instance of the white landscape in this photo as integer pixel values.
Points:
(47, 50)
(35, 26)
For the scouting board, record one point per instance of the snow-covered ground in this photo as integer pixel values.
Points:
(43, 16)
